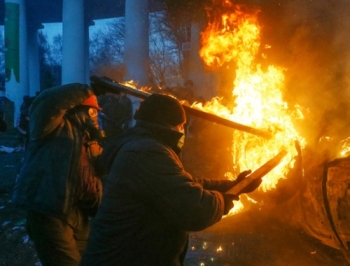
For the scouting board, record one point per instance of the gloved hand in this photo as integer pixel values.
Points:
(99, 87)
(243, 175)
(228, 198)
(252, 186)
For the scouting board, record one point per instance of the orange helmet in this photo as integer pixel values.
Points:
(92, 102)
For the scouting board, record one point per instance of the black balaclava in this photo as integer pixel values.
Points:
(162, 110)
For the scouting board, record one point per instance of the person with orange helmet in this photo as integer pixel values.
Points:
(59, 184)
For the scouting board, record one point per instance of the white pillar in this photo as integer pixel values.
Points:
(203, 80)
(16, 68)
(88, 23)
(73, 42)
(136, 45)
(33, 58)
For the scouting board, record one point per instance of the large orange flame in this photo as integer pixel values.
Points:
(258, 94)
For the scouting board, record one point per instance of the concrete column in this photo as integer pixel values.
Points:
(88, 23)
(16, 67)
(33, 58)
(73, 42)
(136, 45)
(204, 81)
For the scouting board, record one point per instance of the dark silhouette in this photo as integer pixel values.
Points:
(58, 183)
(150, 203)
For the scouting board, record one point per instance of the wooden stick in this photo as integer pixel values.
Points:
(260, 172)
(119, 88)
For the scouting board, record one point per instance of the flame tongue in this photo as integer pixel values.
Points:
(234, 36)
(259, 102)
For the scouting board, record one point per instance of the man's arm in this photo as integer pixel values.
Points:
(50, 106)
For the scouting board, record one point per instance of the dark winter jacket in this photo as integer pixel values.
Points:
(48, 176)
(150, 202)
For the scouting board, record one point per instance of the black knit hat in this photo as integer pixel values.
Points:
(162, 110)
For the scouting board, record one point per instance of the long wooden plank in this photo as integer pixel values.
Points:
(258, 173)
(119, 88)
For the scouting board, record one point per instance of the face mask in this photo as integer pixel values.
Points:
(88, 119)
(181, 142)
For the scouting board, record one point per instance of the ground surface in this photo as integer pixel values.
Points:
(265, 242)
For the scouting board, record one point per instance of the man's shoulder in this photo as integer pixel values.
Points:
(143, 143)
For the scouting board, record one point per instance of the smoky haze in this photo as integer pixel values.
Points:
(310, 39)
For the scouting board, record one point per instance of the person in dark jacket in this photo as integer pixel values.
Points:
(58, 183)
(150, 203)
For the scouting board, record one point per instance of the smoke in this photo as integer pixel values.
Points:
(310, 40)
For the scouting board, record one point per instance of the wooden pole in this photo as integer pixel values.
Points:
(118, 88)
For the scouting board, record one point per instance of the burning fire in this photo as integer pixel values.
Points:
(235, 35)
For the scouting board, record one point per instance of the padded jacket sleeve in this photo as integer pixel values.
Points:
(161, 182)
(50, 106)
